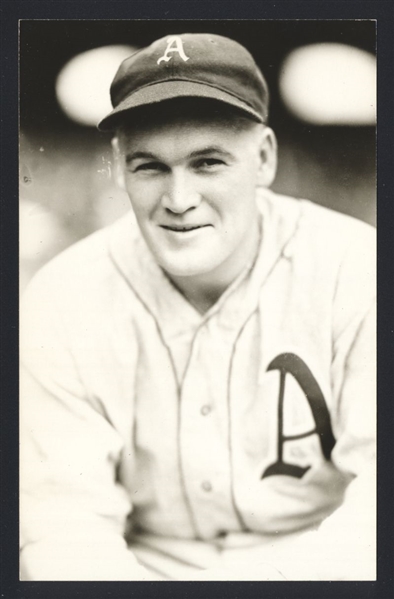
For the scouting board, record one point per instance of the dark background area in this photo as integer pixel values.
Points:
(46, 46)
(68, 191)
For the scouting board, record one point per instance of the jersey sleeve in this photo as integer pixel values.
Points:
(348, 537)
(73, 510)
(344, 546)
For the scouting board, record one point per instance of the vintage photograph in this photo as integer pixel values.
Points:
(198, 300)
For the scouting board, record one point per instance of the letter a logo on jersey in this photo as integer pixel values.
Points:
(292, 365)
(174, 44)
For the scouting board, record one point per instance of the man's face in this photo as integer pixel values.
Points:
(192, 185)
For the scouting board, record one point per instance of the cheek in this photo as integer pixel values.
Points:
(236, 202)
(143, 199)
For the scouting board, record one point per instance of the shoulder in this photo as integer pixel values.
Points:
(336, 228)
(332, 255)
(322, 233)
(85, 269)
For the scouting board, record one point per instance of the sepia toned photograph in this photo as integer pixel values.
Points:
(197, 225)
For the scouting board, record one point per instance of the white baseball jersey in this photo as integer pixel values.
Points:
(142, 418)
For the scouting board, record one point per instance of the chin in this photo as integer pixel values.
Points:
(187, 271)
(187, 268)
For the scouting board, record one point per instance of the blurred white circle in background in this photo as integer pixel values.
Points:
(82, 86)
(330, 84)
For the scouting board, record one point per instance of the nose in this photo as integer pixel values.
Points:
(180, 194)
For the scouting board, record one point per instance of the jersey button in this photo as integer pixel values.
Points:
(205, 410)
(206, 486)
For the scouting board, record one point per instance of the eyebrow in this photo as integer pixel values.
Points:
(135, 155)
(211, 150)
(201, 152)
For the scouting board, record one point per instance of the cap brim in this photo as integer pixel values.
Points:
(168, 90)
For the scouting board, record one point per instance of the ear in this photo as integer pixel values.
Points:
(268, 158)
(118, 164)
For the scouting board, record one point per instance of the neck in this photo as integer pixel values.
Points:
(203, 291)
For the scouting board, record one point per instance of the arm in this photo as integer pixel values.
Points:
(73, 510)
(344, 547)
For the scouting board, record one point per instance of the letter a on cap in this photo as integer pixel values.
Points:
(174, 44)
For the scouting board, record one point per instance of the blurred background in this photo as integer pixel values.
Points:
(322, 80)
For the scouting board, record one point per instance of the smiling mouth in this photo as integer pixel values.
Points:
(183, 229)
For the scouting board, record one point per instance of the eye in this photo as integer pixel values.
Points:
(150, 167)
(209, 164)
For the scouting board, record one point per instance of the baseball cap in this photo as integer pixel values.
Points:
(199, 65)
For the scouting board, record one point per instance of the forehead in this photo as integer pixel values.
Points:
(187, 139)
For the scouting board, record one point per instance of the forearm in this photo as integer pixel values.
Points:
(99, 558)
(73, 512)
(344, 546)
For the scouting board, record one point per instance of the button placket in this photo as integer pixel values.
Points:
(204, 449)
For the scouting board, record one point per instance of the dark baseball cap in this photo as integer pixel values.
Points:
(193, 65)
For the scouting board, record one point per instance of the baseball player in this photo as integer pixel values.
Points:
(197, 400)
